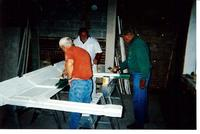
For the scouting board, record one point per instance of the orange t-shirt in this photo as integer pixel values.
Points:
(82, 67)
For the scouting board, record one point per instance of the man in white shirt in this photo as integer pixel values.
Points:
(92, 46)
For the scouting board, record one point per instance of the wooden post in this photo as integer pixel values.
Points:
(110, 35)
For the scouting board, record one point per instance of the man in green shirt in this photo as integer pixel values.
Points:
(139, 66)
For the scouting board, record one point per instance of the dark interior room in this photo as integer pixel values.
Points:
(30, 31)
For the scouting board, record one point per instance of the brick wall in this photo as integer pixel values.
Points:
(162, 46)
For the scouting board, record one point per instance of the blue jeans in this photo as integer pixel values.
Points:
(80, 91)
(140, 99)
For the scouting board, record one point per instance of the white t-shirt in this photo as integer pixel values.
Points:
(92, 46)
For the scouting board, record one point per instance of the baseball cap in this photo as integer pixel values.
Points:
(127, 29)
(65, 41)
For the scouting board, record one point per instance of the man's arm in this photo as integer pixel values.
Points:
(69, 66)
(123, 65)
(97, 58)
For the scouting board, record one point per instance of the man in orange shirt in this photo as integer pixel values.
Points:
(78, 69)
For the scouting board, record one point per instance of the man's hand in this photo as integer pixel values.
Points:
(97, 58)
(63, 75)
(142, 84)
(115, 69)
(95, 61)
